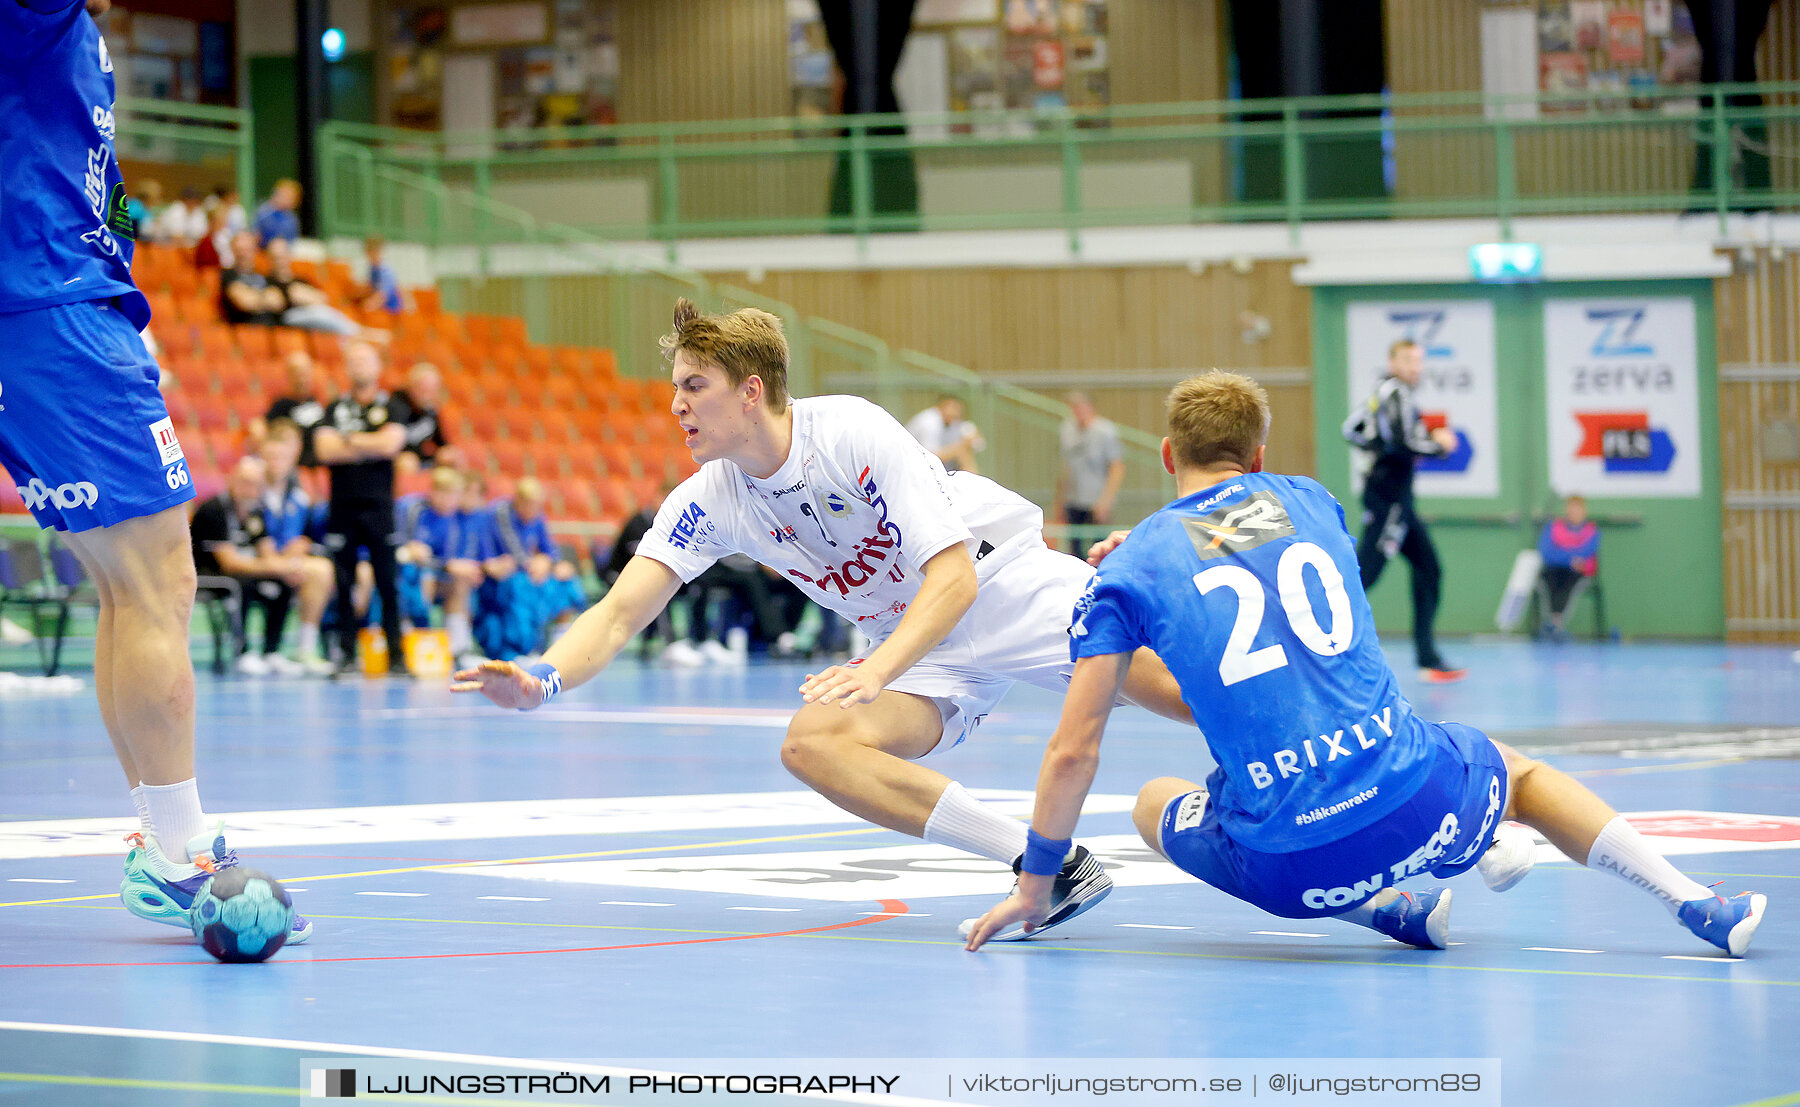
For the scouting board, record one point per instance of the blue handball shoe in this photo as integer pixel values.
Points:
(1421, 919)
(162, 890)
(1726, 923)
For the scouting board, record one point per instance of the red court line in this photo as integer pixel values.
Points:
(892, 907)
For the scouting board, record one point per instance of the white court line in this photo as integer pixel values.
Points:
(1290, 934)
(1708, 960)
(1559, 949)
(762, 909)
(35, 880)
(397, 895)
(518, 899)
(470, 1059)
(631, 903)
(1152, 926)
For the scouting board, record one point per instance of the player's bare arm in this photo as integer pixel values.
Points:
(1067, 773)
(945, 595)
(644, 588)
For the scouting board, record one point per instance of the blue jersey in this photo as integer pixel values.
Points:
(287, 513)
(420, 522)
(517, 537)
(479, 540)
(65, 231)
(1249, 592)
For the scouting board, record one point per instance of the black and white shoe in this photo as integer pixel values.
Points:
(1081, 884)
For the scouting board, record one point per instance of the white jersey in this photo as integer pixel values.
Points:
(851, 516)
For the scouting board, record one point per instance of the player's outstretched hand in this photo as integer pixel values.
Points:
(503, 682)
(842, 685)
(1106, 545)
(1016, 908)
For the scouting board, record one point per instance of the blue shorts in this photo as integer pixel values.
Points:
(84, 433)
(1442, 830)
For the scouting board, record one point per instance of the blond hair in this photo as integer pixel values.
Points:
(746, 343)
(1217, 418)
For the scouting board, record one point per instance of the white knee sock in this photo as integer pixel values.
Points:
(309, 640)
(143, 809)
(462, 635)
(963, 822)
(1363, 914)
(1622, 851)
(174, 816)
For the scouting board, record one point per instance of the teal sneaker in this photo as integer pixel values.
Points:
(162, 890)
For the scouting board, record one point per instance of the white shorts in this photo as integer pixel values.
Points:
(1017, 629)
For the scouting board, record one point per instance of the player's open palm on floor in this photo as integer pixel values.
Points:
(503, 682)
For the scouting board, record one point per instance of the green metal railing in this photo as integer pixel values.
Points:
(574, 288)
(1457, 154)
(184, 136)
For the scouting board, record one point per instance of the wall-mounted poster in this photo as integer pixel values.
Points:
(1622, 387)
(1457, 389)
(500, 24)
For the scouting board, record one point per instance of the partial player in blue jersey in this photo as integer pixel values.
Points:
(437, 559)
(85, 435)
(537, 585)
(1329, 790)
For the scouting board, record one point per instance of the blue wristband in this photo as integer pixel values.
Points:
(1043, 856)
(548, 679)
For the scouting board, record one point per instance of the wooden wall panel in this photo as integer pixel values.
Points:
(1122, 334)
(1758, 312)
(1163, 51)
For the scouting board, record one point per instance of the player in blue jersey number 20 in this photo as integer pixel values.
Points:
(1329, 791)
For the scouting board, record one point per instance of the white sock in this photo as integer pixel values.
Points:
(462, 635)
(1622, 851)
(174, 811)
(1363, 914)
(309, 640)
(143, 809)
(961, 821)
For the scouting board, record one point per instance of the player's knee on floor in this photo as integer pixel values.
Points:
(1152, 800)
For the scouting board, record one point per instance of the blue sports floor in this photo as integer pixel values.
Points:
(629, 878)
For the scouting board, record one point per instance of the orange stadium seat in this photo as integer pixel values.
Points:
(507, 457)
(427, 301)
(545, 460)
(605, 363)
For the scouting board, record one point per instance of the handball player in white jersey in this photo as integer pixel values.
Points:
(946, 573)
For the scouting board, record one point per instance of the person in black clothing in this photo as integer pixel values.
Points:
(363, 431)
(426, 444)
(245, 296)
(299, 405)
(227, 530)
(1391, 428)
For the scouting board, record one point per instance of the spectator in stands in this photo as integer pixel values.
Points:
(426, 444)
(245, 296)
(536, 584)
(382, 293)
(144, 205)
(361, 434)
(293, 524)
(1093, 468)
(298, 405)
(304, 304)
(439, 557)
(225, 198)
(227, 530)
(276, 218)
(1570, 548)
(213, 251)
(944, 429)
(182, 223)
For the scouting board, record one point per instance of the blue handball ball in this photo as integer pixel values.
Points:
(242, 915)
